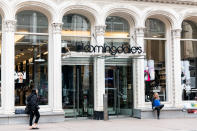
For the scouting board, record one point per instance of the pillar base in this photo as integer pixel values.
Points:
(58, 110)
(99, 115)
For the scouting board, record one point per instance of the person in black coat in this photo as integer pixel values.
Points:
(32, 104)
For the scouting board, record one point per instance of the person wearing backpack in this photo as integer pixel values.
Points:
(32, 105)
(156, 105)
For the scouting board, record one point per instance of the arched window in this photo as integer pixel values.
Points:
(117, 31)
(189, 60)
(0, 54)
(31, 56)
(75, 32)
(155, 65)
(77, 73)
(118, 71)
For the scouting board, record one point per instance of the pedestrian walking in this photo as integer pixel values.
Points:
(156, 105)
(32, 105)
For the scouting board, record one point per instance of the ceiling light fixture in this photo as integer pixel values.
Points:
(39, 59)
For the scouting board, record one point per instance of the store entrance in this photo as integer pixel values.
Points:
(77, 90)
(119, 88)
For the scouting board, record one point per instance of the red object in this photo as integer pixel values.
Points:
(146, 71)
(191, 111)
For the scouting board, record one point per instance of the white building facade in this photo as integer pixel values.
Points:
(43, 40)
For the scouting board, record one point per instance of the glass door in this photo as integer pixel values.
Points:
(118, 86)
(77, 90)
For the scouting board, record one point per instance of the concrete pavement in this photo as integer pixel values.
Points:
(122, 124)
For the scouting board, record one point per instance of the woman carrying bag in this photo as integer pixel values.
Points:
(32, 108)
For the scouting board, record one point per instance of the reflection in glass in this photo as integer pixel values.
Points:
(116, 24)
(71, 43)
(31, 21)
(154, 28)
(75, 24)
(31, 67)
(76, 32)
(155, 69)
(118, 87)
(118, 29)
(189, 69)
(77, 90)
(189, 30)
(116, 42)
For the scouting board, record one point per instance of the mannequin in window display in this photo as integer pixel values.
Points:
(186, 80)
(151, 69)
(147, 83)
(149, 73)
(146, 74)
(20, 86)
(186, 89)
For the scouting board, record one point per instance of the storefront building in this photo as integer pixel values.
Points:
(74, 51)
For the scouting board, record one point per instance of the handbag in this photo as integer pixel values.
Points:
(27, 110)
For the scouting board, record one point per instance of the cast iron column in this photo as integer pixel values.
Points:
(99, 75)
(138, 72)
(55, 67)
(176, 68)
(7, 66)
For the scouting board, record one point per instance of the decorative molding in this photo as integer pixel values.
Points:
(100, 30)
(176, 33)
(57, 28)
(9, 25)
(139, 31)
(185, 2)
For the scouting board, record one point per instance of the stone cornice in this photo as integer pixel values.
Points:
(183, 2)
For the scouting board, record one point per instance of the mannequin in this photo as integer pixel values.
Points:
(146, 74)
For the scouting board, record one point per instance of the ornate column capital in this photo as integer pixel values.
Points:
(176, 33)
(57, 28)
(100, 30)
(139, 31)
(9, 25)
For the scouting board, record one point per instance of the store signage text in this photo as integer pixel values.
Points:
(113, 50)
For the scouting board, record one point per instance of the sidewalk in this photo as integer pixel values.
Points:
(126, 124)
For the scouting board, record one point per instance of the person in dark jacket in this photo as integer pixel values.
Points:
(32, 103)
(156, 105)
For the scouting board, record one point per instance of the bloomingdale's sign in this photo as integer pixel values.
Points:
(113, 50)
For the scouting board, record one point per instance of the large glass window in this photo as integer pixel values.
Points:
(189, 60)
(77, 90)
(117, 31)
(75, 32)
(77, 73)
(154, 67)
(31, 56)
(0, 54)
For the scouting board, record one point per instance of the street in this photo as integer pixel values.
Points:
(121, 124)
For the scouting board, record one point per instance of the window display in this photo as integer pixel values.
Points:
(154, 64)
(31, 57)
(188, 60)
